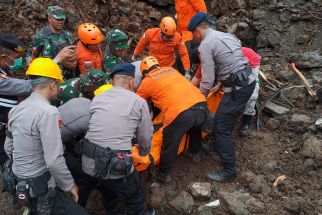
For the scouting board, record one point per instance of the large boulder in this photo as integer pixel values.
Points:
(312, 148)
(183, 203)
(241, 203)
(201, 190)
(307, 60)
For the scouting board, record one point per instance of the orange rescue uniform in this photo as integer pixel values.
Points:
(186, 9)
(94, 58)
(164, 51)
(171, 92)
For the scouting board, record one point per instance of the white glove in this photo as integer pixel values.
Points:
(187, 75)
(133, 58)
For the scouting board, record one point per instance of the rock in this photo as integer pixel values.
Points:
(300, 118)
(158, 197)
(312, 148)
(272, 124)
(204, 210)
(302, 39)
(273, 38)
(183, 203)
(294, 93)
(318, 123)
(259, 14)
(277, 109)
(200, 190)
(241, 203)
(255, 183)
(270, 167)
(317, 78)
(312, 128)
(294, 208)
(307, 60)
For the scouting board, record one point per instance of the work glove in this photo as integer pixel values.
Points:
(133, 58)
(187, 75)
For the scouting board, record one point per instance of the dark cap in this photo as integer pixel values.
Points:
(11, 42)
(56, 11)
(123, 69)
(196, 20)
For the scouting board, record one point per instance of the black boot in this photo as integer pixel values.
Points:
(228, 174)
(246, 125)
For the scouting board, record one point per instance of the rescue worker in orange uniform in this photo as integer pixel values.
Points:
(163, 42)
(89, 54)
(183, 105)
(185, 10)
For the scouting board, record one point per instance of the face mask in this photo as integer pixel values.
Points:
(17, 64)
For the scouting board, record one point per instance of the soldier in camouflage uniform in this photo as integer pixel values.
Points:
(117, 47)
(49, 40)
(84, 86)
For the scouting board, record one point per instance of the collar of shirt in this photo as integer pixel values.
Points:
(209, 31)
(38, 96)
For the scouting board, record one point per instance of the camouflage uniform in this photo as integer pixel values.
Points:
(48, 44)
(117, 40)
(250, 106)
(84, 86)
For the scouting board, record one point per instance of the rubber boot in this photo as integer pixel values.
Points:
(246, 125)
(227, 174)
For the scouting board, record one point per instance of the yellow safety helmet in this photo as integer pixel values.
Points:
(45, 67)
(102, 89)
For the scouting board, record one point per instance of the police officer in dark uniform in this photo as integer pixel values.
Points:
(117, 116)
(11, 51)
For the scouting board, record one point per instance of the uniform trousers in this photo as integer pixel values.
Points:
(190, 122)
(230, 108)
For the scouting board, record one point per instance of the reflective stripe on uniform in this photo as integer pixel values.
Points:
(8, 103)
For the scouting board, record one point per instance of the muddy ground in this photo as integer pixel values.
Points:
(290, 144)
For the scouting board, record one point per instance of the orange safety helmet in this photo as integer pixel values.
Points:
(168, 26)
(90, 34)
(148, 62)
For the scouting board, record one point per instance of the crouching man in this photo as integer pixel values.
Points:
(117, 116)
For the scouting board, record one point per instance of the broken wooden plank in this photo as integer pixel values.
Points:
(305, 81)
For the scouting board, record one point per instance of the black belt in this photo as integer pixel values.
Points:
(235, 79)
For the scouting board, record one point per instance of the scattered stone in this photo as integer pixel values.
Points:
(259, 14)
(307, 60)
(295, 208)
(302, 39)
(241, 203)
(308, 163)
(312, 148)
(294, 93)
(158, 197)
(183, 203)
(318, 123)
(200, 190)
(277, 109)
(300, 118)
(255, 183)
(204, 210)
(272, 124)
(317, 78)
(270, 167)
(312, 128)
